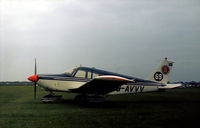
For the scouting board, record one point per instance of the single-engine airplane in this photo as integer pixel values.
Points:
(92, 84)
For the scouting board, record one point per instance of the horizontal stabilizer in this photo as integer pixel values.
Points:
(170, 86)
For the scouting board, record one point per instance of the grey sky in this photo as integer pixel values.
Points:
(124, 36)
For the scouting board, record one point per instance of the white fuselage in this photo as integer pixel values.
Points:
(127, 89)
(57, 85)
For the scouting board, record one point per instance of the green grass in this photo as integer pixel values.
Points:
(175, 108)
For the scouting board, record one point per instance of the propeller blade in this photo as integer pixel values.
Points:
(35, 83)
(35, 67)
(35, 90)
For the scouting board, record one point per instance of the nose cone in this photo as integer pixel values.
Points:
(33, 78)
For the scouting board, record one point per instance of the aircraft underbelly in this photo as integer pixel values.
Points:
(57, 85)
(127, 89)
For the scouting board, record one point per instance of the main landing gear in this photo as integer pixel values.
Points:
(50, 98)
(90, 99)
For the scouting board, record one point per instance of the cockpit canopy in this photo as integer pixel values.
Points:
(83, 72)
(91, 73)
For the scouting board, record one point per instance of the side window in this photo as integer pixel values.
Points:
(89, 75)
(80, 73)
(95, 75)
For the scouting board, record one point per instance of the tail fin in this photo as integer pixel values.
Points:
(161, 73)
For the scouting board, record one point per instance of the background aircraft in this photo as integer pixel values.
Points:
(91, 84)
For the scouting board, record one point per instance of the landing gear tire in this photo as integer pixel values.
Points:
(80, 98)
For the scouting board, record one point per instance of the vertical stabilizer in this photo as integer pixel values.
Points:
(161, 73)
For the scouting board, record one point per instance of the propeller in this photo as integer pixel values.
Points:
(34, 78)
(35, 83)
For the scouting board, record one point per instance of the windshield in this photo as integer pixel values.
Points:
(70, 71)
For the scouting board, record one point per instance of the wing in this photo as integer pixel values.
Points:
(106, 84)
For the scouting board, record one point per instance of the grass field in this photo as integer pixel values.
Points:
(175, 108)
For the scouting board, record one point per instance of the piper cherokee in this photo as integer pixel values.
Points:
(93, 84)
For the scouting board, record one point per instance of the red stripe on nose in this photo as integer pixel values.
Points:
(33, 78)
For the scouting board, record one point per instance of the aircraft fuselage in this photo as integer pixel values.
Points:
(66, 85)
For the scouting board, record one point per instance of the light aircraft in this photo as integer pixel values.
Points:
(92, 84)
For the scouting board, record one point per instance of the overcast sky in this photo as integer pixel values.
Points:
(125, 36)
